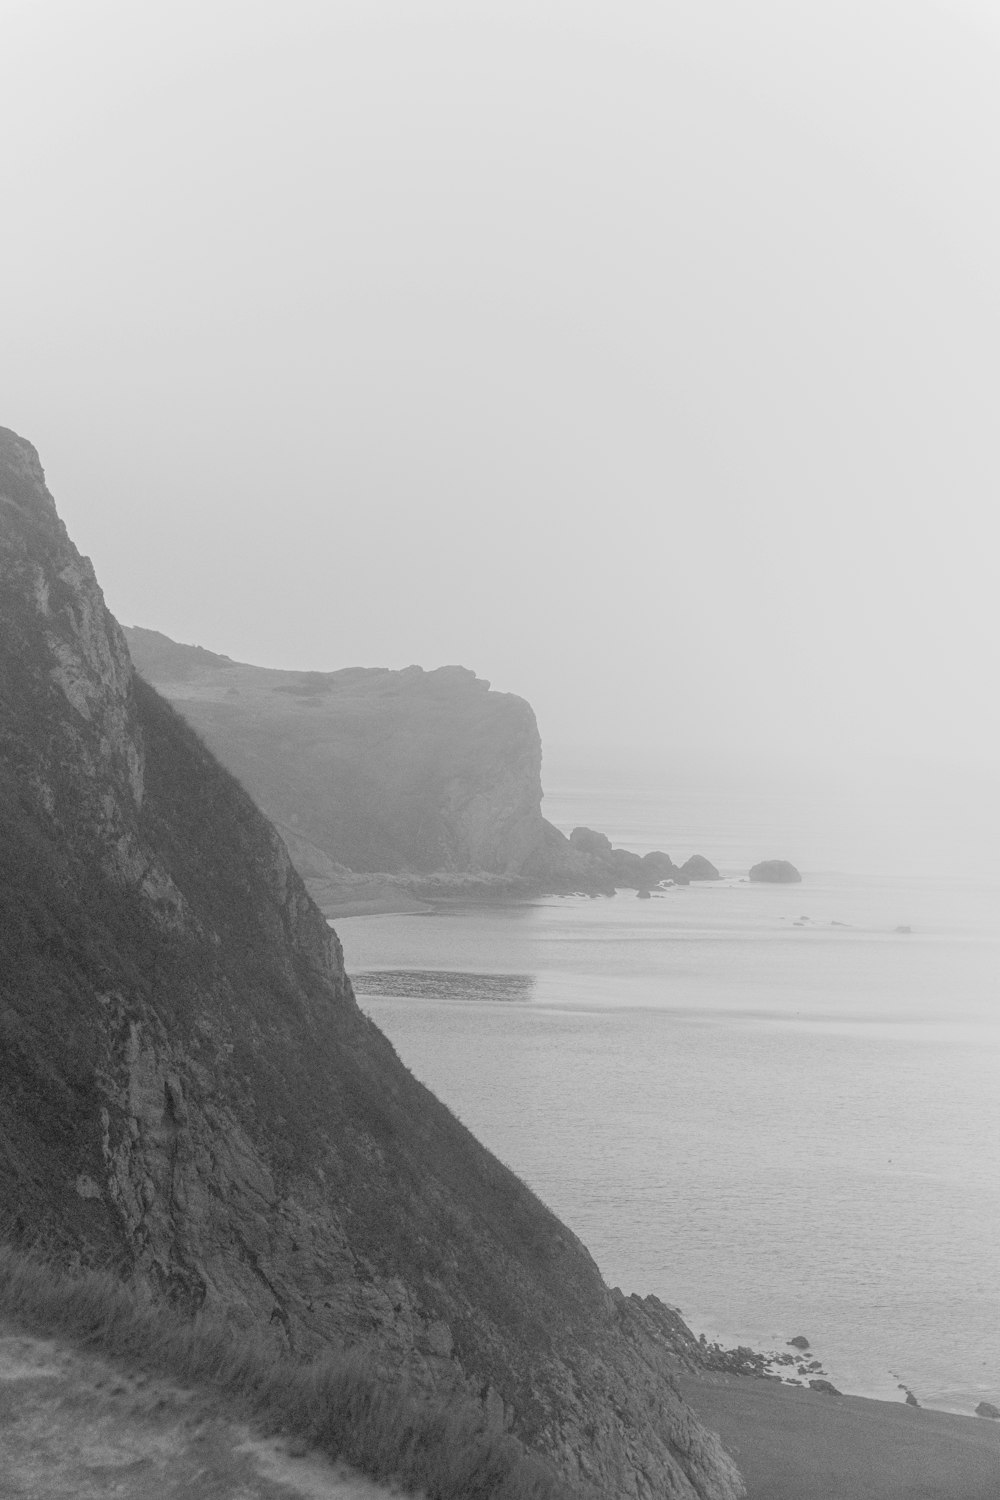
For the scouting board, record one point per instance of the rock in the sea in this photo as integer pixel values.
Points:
(987, 1409)
(659, 866)
(589, 841)
(643, 895)
(824, 1387)
(799, 1341)
(699, 868)
(775, 872)
(911, 1399)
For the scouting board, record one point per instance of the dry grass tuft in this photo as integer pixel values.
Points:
(338, 1404)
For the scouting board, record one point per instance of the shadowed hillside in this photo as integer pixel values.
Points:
(191, 1094)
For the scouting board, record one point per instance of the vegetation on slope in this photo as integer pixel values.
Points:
(340, 1404)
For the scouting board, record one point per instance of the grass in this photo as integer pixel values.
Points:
(339, 1404)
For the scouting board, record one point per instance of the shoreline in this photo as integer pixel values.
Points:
(864, 1369)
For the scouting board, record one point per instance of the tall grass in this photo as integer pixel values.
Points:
(339, 1404)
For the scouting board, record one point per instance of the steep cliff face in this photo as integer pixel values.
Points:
(379, 770)
(190, 1092)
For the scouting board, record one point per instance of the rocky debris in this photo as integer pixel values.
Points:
(987, 1409)
(799, 1342)
(739, 1361)
(775, 872)
(699, 868)
(192, 1095)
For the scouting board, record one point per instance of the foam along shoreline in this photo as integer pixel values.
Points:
(792, 1443)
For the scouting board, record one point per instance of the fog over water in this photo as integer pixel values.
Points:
(775, 1106)
(642, 357)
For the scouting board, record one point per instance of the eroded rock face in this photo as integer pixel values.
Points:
(191, 1092)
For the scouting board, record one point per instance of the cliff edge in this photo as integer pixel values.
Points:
(192, 1095)
(377, 770)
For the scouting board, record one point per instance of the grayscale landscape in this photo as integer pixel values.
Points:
(499, 752)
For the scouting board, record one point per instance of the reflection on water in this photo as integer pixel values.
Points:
(443, 984)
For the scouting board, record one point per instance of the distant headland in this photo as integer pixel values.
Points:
(396, 788)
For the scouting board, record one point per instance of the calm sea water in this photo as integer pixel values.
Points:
(765, 1104)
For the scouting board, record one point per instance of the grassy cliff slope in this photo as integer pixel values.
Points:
(191, 1095)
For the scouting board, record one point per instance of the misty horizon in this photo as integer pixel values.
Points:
(642, 361)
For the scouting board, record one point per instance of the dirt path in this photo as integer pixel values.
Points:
(72, 1427)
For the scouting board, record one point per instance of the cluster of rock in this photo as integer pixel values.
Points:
(587, 860)
(192, 1094)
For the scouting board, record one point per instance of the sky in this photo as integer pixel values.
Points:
(644, 357)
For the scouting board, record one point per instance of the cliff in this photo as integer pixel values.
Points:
(421, 776)
(377, 770)
(191, 1094)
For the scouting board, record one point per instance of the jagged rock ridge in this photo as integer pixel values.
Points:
(191, 1092)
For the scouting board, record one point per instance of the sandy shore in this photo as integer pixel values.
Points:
(797, 1444)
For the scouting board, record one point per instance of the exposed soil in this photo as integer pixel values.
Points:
(73, 1427)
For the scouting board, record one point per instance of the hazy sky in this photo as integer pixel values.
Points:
(644, 357)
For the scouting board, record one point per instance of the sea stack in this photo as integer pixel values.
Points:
(775, 872)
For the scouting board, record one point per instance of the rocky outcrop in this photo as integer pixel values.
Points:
(699, 868)
(775, 872)
(589, 857)
(192, 1095)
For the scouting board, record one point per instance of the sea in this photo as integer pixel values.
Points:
(777, 1107)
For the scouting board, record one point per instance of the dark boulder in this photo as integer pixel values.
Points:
(659, 866)
(987, 1409)
(824, 1387)
(799, 1341)
(627, 869)
(590, 842)
(699, 868)
(775, 872)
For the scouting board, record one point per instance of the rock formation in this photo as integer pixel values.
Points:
(374, 769)
(699, 868)
(191, 1093)
(775, 872)
(420, 776)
